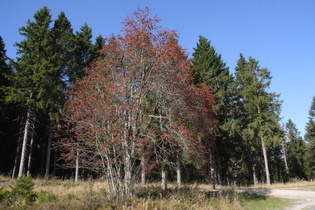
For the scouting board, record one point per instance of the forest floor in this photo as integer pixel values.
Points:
(304, 199)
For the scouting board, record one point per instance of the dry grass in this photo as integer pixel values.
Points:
(58, 194)
(62, 188)
(66, 194)
(298, 185)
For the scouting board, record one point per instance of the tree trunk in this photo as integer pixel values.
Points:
(218, 170)
(76, 176)
(128, 172)
(164, 179)
(284, 149)
(16, 160)
(179, 178)
(143, 170)
(48, 153)
(30, 156)
(265, 160)
(212, 169)
(255, 178)
(25, 141)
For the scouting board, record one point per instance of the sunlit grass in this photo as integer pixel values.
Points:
(58, 194)
(61, 188)
(301, 185)
(258, 202)
(92, 194)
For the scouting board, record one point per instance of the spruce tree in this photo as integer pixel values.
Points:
(259, 113)
(210, 70)
(5, 69)
(65, 46)
(38, 70)
(76, 51)
(37, 80)
(4, 72)
(310, 138)
(296, 151)
(84, 52)
(8, 128)
(96, 48)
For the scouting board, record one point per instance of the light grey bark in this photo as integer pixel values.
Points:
(265, 160)
(164, 179)
(178, 170)
(284, 149)
(143, 170)
(127, 152)
(76, 176)
(25, 142)
(128, 173)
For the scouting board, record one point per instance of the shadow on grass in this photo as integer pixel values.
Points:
(259, 193)
(260, 199)
(251, 196)
(155, 192)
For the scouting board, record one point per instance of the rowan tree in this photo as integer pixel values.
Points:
(139, 98)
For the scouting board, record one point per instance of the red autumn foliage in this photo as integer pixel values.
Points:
(138, 102)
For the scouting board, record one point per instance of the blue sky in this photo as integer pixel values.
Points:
(280, 34)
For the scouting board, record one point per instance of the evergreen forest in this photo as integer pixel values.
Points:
(134, 108)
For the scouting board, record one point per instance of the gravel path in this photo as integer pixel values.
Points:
(305, 199)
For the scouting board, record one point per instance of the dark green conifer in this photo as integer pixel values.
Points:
(258, 114)
(84, 52)
(5, 70)
(296, 151)
(209, 69)
(8, 128)
(65, 46)
(37, 80)
(310, 139)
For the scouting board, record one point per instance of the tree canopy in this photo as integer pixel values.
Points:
(139, 95)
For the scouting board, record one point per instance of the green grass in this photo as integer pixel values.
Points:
(258, 202)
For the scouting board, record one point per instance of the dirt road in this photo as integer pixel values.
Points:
(305, 199)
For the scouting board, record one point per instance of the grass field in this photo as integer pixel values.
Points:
(258, 202)
(66, 194)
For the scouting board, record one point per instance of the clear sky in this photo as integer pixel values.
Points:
(280, 34)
